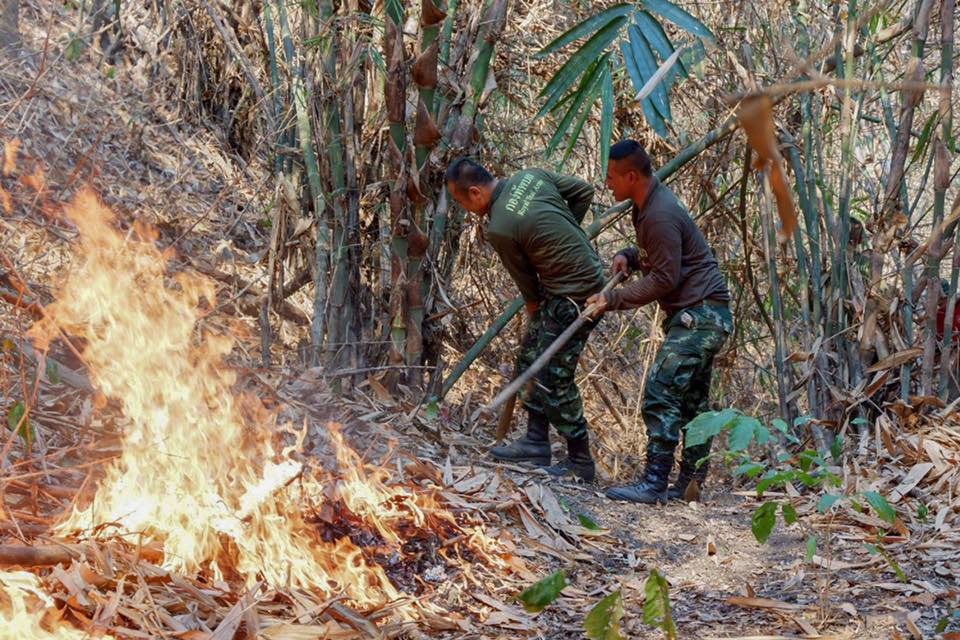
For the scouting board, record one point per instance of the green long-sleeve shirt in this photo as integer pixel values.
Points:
(534, 227)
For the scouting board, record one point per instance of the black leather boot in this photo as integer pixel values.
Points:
(652, 487)
(578, 462)
(689, 473)
(533, 447)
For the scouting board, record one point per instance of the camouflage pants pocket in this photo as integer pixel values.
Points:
(678, 384)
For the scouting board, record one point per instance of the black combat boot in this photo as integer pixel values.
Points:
(689, 473)
(652, 487)
(533, 447)
(578, 462)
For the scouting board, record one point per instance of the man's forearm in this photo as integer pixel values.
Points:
(639, 293)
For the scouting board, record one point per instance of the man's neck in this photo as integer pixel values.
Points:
(642, 191)
(493, 190)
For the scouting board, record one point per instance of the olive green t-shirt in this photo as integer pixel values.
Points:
(534, 227)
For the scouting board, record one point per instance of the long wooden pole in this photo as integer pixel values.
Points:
(511, 389)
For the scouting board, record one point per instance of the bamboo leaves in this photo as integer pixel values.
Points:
(651, 60)
(756, 118)
(603, 621)
(536, 597)
(657, 37)
(578, 63)
(679, 17)
(591, 24)
(646, 64)
(606, 117)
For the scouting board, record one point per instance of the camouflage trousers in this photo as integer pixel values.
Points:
(554, 392)
(678, 383)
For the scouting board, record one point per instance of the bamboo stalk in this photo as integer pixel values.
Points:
(495, 15)
(942, 181)
(784, 373)
(304, 130)
(274, 79)
(23, 556)
(340, 312)
(910, 100)
(426, 135)
(395, 87)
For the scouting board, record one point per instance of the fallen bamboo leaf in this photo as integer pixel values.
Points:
(330, 630)
(766, 603)
(917, 473)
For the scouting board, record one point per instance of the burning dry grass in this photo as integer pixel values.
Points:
(207, 485)
(26, 611)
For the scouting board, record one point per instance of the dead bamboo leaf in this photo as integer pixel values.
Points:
(417, 242)
(330, 630)
(912, 626)
(766, 603)
(6, 201)
(917, 473)
(395, 88)
(756, 118)
(896, 359)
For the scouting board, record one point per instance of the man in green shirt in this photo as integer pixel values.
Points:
(533, 223)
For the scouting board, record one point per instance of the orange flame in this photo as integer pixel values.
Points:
(24, 608)
(199, 473)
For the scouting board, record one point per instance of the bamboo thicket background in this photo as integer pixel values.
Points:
(336, 120)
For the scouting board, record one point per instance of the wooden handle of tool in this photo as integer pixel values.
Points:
(550, 351)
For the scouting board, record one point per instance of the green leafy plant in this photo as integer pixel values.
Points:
(75, 47)
(603, 621)
(946, 620)
(589, 73)
(18, 421)
(432, 410)
(808, 467)
(656, 606)
(536, 597)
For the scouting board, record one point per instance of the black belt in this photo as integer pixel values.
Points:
(712, 302)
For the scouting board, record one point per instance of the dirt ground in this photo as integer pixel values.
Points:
(709, 555)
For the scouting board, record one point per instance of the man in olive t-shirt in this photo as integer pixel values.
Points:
(681, 274)
(533, 223)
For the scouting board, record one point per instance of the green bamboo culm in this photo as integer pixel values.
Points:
(274, 80)
(340, 312)
(426, 135)
(305, 133)
(942, 181)
(395, 89)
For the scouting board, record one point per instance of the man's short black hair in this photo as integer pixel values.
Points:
(633, 152)
(464, 173)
